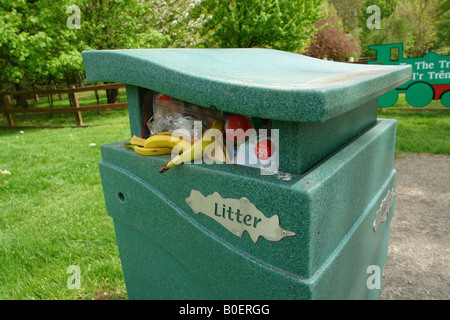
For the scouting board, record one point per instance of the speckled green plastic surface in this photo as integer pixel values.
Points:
(336, 167)
(169, 252)
(317, 105)
(262, 83)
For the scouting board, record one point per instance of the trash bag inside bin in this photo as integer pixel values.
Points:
(170, 114)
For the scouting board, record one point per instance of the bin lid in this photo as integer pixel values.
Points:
(263, 83)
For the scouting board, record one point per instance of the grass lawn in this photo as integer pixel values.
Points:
(52, 211)
(52, 214)
(420, 131)
(67, 119)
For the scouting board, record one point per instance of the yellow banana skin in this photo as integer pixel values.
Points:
(134, 141)
(219, 157)
(151, 151)
(198, 148)
(160, 143)
(168, 141)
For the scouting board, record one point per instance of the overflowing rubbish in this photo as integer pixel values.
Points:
(191, 133)
(170, 114)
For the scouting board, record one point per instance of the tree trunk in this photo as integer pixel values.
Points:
(21, 100)
(36, 96)
(50, 105)
(54, 86)
(112, 95)
(98, 99)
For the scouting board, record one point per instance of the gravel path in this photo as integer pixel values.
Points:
(418, 263)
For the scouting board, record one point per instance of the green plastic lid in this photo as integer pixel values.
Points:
(261, 83)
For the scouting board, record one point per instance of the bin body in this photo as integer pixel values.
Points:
(329, 204)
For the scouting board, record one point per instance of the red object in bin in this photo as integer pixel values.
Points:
(235, 122)
(264, 149)
(165, 97)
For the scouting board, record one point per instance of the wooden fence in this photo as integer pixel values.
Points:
(74, 104)
(77, 110)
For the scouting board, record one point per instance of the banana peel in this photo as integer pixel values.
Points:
(169, 142)
(151, 151)
(198, 147)
(215, 152)
(134, 141)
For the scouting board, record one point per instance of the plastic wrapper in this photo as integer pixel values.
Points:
(171, 115)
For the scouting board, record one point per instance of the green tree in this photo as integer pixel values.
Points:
(30, 39)
(13, 49)
(348, 11)
(424, 14)
(392, 28)
(443, 26)
(278, 24)
(412, 22)
(331, 41)
(37, 46)
(118, 24)
(174, 19)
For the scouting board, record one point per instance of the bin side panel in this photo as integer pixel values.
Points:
(319, 207)
(162, 262)
(270, 194)
(345, 184)
(354, 269)
(304, 144)
(150, 272)
(155, 225)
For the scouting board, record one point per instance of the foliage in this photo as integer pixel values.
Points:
(67, 66)
(348, 11)
(331, 41)
(423, 33)
(281, 24)
(412, 22)
(443, 25)
(37, 45)
(118, 24)
(22, 43)
(392, 28)
(174, 19)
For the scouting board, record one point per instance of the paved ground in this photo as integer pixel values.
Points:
(418, 263)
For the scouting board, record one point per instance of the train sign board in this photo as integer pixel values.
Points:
(430, 78)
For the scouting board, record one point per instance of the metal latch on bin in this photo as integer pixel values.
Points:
(237, 216)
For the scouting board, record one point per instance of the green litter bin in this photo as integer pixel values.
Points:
(315, 228)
